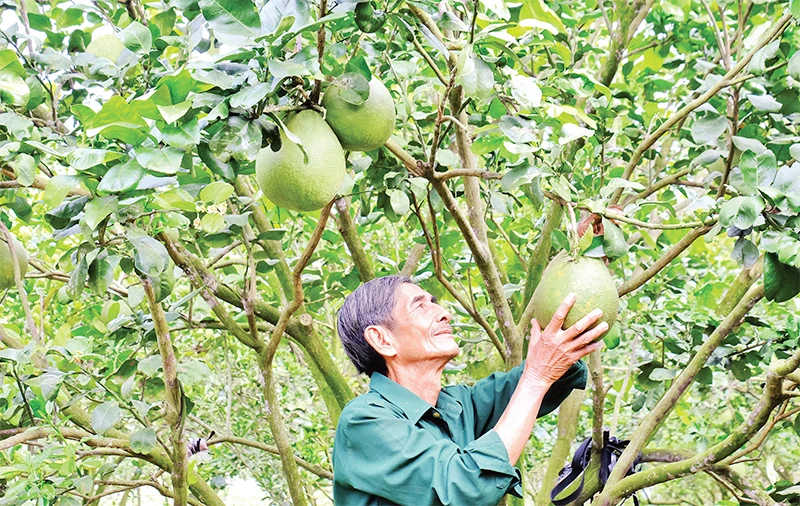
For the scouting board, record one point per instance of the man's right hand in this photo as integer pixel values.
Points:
(553, 350)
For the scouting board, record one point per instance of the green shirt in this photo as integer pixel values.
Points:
(391, 447)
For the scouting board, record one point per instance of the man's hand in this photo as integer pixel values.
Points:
(553, 350)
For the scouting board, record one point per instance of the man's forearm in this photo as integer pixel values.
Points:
(516, 423)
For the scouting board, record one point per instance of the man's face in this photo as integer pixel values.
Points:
(421, 328)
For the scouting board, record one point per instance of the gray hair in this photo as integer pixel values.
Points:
(371, 304)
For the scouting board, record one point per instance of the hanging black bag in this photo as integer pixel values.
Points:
(612, 449)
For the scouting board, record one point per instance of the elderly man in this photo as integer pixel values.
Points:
(409, 441)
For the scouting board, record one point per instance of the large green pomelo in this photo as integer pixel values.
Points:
(291, 183)
(588, 278)
(106, 46)
(6, 267)
(361, 127)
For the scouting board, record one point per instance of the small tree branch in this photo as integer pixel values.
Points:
(323, 10)
(317, 470)
(672, 253)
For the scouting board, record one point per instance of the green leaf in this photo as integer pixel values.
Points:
(165, 160)
(781, 281)
(137, 38)
(741, 211)
(249, 96)
(280, 70)
(150, 256)
(239, 139)
(614, 244)
(77, 279)
(234, 22)
(172, 113)
(743, 144)
(794, 62)
(785, 190)
(25, 168)
(118, 120)
(98, 209)
(144, 440)
(758, 64)
(745, 253)
(399, 202)
(122, 177)
(518, 130)
(222, 169)
(586, 240)
(165, 21)
(280, 13)
(101, 274)
(794, 8)
(765, 103)
(193, 372)
(216, 192)
(212, 223)
(184, 135)
(105, 416)
(754, 171)
(540, 11)
(359, 65)
(150, 366)
(353, 88)
(706, 130)
(61, 216)
(58, 188)
(10, 63)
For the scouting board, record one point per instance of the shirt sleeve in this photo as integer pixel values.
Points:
(385, 455)
(491, 395)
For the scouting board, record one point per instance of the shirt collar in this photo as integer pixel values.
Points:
(409, 402)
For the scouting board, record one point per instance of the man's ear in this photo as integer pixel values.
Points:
(381, 340)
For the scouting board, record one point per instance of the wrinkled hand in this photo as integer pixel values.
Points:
(552, 351)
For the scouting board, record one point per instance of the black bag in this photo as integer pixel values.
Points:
(612, 449)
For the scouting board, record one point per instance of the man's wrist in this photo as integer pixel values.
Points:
(532, 380)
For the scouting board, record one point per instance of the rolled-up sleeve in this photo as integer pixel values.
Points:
(382, 454)
(491, 395)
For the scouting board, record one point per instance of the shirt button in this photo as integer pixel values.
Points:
(436, 415)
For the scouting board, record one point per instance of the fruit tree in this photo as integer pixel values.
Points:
(190, 188)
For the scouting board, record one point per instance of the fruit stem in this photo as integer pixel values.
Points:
(572, 229)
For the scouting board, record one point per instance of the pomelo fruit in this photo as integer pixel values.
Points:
(106, 46)
(360, 127)
(6, 267)
(290, 182)
(588, 278)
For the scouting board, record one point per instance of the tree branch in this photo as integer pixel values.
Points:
(319, 471)
(174, 414)
(672, 253)
(347, 228)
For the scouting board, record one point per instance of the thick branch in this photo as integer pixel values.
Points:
(347, 228)
(174, 414)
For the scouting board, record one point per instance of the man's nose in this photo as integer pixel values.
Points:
(445, 315)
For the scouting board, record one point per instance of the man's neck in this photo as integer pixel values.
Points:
(424, 381)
